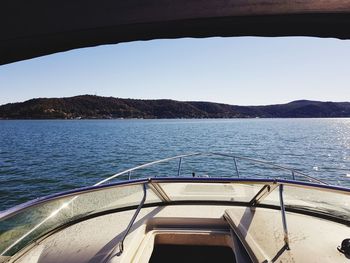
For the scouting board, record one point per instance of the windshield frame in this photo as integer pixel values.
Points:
(14, 210)
(255, 185)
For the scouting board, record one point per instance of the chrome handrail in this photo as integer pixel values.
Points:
(234, 157)
(143, 166)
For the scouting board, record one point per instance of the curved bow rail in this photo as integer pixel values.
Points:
(294, 174)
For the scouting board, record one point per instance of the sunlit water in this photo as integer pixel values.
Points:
(38, 158)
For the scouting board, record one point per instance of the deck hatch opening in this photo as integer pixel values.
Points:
(192, 247)
(192, 253)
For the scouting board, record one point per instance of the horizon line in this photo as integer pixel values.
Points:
(178, 100)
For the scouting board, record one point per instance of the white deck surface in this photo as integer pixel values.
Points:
(95, 240)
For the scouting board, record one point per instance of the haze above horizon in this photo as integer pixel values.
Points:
(238, 71)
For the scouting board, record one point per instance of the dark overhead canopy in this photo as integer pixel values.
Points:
(31, 28)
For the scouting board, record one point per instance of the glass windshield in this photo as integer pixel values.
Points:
(211, 191)
(332, 203)
(27, 225)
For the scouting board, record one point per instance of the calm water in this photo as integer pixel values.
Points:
(43, 157)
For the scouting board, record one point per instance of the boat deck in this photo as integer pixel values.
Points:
(258, 229)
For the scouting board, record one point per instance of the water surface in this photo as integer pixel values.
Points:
(38, 157)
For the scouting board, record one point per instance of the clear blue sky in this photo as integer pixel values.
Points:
(243, 71)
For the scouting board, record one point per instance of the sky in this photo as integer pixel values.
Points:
(239, 70)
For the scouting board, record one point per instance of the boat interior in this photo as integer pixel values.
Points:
(174, 213)
(185, 218)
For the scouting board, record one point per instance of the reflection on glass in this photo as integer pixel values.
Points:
(328, 202)
(19, 230)
(211, 191)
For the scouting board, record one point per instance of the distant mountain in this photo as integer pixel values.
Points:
(96, 107)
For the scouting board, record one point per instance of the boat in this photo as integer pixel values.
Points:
(185, 215)
(275, 215)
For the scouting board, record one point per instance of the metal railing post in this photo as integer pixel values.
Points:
(126, 232)
(234, 160)
(284, 220)
(179, 167)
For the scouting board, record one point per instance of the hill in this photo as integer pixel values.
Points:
(96, 107)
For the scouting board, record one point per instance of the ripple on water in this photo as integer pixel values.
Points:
(44, 157)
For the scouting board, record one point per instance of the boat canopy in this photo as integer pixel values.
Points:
(34, 28)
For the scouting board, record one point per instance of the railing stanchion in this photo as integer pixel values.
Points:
(284, 220)
(293, 175)
(129, 175)
(234, 160)
(179, 167)
(126, 232)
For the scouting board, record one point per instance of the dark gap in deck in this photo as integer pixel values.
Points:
(192, 254)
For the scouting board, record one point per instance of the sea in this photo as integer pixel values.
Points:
(42, 157)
